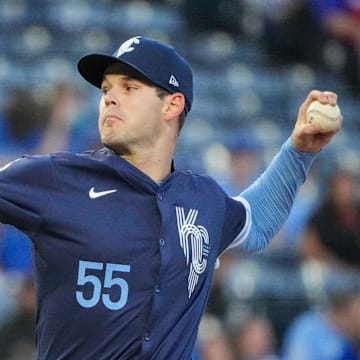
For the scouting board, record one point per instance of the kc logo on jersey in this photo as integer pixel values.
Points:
(194, 240)
(127, 46)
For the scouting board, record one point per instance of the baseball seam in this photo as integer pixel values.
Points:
(331, 118)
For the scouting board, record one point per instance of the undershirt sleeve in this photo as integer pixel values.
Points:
(269, 199)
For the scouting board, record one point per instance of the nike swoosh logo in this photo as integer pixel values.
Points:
(96, 194)
(9, 164)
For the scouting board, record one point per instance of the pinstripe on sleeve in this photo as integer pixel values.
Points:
(269, 199)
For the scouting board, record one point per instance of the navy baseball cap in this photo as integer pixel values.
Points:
(158, 62)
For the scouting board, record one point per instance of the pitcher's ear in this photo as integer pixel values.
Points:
(174, 105)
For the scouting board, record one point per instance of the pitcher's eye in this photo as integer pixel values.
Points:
(104, 90)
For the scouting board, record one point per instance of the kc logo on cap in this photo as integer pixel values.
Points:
(127, 46)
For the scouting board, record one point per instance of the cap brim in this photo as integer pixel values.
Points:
(92, 67)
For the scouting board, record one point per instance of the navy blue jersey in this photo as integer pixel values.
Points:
(123, 266)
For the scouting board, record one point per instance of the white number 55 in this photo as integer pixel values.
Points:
(98, 292)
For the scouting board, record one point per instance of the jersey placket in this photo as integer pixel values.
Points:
(164, 251)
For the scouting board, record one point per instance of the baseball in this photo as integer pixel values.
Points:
(327, 116)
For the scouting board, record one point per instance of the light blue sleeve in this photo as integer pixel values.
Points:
(269, 199)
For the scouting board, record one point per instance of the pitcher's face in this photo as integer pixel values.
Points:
(129, 113)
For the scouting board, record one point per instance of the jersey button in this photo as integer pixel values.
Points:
(160, 196)
(157, 288)
(147, 336)
(162, 242)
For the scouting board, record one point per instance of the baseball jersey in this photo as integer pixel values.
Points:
(123, 266)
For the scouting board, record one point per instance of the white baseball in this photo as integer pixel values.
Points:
(327, 116)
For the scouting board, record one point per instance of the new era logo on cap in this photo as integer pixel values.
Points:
(158, 62)
(173, 81)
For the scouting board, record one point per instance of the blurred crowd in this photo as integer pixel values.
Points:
(300, 299)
